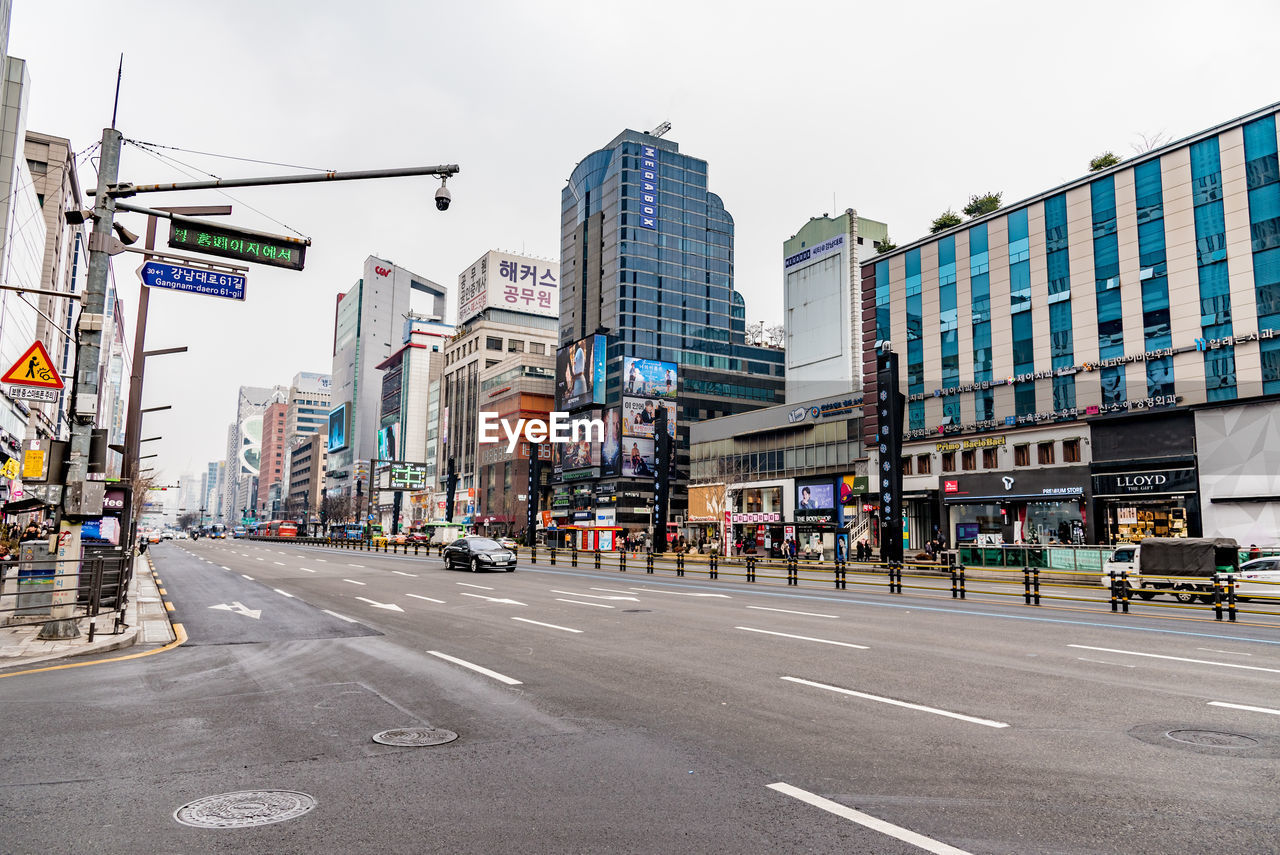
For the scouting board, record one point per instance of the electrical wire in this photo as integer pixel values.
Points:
(227, 156)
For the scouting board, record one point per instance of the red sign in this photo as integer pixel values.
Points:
(382, 271)
(951, 486)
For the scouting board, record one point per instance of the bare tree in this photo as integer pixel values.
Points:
(1148, 142)
(755, 332)
(775, 336)
(717, 487)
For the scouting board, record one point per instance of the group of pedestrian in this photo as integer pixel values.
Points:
(862, 551)
(935, 547)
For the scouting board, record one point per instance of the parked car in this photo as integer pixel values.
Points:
(479, 553)
(1259, 579)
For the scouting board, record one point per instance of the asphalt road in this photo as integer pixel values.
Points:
(607, 712)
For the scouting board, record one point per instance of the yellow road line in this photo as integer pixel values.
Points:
(178, 630)
(163, 592)
(168, 605)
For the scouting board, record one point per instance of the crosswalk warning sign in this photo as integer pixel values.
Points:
(35, 368)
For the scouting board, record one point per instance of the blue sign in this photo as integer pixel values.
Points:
(649, 188)
(192, 280)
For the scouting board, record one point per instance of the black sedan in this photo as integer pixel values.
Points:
(479, 553)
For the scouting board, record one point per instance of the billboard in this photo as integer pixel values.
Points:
(811, 497)
(648, 378)
(516, 283)
(583, 454)
(338, 421)
(387, 447)
(637, 458)
(611, 449)
(580, 373)
(639, 414)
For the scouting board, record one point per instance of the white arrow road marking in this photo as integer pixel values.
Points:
(392, 607)
(583, 603)
(402, 573)
(594, 596)
(983, 721)
(283, 593)
(481, 587)
(906, 835)
(1177, 658)
(353, 581)
(428, 599)
(494, 599)
(804, 638)
(502, 678)
(340, 617)
(680, 593)
(240, 609)
(1243, 707)
(547, 625)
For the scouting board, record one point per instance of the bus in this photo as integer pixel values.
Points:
(282, 528)
(346, 531)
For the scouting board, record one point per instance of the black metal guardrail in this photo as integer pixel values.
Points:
(1033, 584)
(29, 589)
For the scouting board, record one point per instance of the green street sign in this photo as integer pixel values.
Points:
(272, 250)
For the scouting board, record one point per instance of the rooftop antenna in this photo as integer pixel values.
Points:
(116, 104)
(660, 130)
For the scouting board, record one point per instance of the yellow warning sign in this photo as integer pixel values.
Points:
(10, 468)
(35, 368)
(33, 464)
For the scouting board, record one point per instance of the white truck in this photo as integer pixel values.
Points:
(1182, 567)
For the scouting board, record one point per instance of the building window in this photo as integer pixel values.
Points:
(968, 460)
(515, 346)
(1071, 451)
(906, 465)
(990, 458)
(924, 464)
(948, 461)
(1044, 452)
(537, 347)
(1022, 455)
(489, 363)
(492, 343)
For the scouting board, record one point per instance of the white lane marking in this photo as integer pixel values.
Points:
(340, 617)
(279, 552)
(392, 607)
(357, 566)
(1104, 662)
(495, 599)
(906, 835)
(680, 593)
(323, 560)
(583, 603)
(1177, 658)
(804, 638)
(481, 587)
(986, 722)
(281, 563)
(790, 612)
(402, 573)
(283, 593)
(479, 669)
(613, 591)
(594, 596)
(1228, 652)
(307, 569)
(428, 599)
(1243, 707)
(353, 581)
(260, 558)
(547, 625)
(250, 578)
(224, 567)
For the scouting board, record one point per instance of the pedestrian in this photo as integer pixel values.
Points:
(31, 532)
(1254, 551)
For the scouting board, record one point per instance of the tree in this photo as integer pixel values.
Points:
(755, 332)
(717, 486)
(983, 204)
(885, 245)
(947, 219)
(188, 520)
(775, 336)
(1106, 160)
(1147, 142)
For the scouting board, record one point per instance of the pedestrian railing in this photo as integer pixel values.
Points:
(48, 589)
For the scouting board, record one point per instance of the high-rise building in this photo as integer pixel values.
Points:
(1100, 360)
(305, 501)
(822, 304)
(368, 326)
(646, 260)
(310, 399)
(211, 509)
(274, 458)
(244, 450)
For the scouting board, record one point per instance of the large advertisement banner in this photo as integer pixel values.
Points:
(514, 282)
(648, 378)
(580, 373)
(637, 458)
(584, 453)
(812, 497)
(639, 415)
(611, 449)
(338, 428)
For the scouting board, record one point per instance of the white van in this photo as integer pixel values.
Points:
(1125, 560)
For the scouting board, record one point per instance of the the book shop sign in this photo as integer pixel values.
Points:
(1139, 483)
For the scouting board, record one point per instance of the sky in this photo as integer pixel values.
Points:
(898, 110)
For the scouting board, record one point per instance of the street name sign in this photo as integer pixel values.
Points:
(259, 248)
(192, 280)
(33, 377)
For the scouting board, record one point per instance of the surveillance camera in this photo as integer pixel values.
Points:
(443, 198)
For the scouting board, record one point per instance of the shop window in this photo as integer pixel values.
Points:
(924, 464)
(906, 465)
(1044, 452)
(1071, 451)
(969, 460)
(948, 461)
(1022, 455)
(990, 458)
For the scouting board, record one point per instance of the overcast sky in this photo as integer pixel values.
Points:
(898, 110)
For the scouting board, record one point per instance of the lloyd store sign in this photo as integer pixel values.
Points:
(1139, 483)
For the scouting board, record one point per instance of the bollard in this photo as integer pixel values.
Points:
(1217, 596)
(1124, 591)
(1035, 585)
(679, 564)
(648, 561)
(841, 583)
(713, 568)
(955, 591)
(1026, 586)
(533, 553)
(793, 572)
(1231, 597)
(622, 561)
(553, 556)
(573, 558)
(1115, 601)
(961, 571)
(751, 569)
(597, 559)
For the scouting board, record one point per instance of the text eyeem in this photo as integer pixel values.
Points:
(559, 427)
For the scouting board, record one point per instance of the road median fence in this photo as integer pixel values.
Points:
(1032, 583)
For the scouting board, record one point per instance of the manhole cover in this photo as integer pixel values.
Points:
(414, 737)
(242, 810)
(1212, 738)
(637, 611)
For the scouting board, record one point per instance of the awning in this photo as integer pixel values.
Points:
(23, 506)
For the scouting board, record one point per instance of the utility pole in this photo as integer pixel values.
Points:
(83, 498)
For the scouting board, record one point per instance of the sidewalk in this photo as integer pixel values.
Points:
(146, 622)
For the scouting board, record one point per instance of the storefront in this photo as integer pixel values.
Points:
(1147, 503)
(1046, 505)
(816, 518)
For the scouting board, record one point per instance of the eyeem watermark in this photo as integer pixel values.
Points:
(561, 427)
